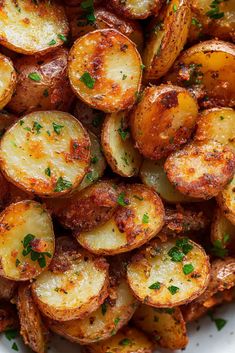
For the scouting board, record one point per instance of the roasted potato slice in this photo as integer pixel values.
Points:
(217, 124)
(163, 120)
(153, 175)
(8, 80)
(226, 201)
(169, 274)
(138, 219)
(8, 317)
(105, 70)
(90, 118)
(208, 70)
(42, 83)
(32, 329)
(167, 38)
(7, 288)
(137, 8)
(201, 170)
(46, 153)
(128, 340)
(165, 326)
(40, 26)
(6, 120)
(118, 146)
(26, 240)
(113, 314)
(75, 285)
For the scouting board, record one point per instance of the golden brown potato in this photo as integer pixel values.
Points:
(138, 219)
(26, 240)
(75, 285)
(103, 323)
(208, 70)
(8, 80)
(108, 76)
(165, 326)
(167, 38)
(169, 274)
(163, 120)
(32, 329)
(136, 9)
(32, 27)
(201, 170)
(118, 145)
(8, 317)
(7, 288)
(128, 340)
(153, 175)
(46, 153)
(217, 124)
(226, 201)
(6, 120)
(42, 83)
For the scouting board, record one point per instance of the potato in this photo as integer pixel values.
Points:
(163, 120)
(128, 340)
(226, 201)
(46, 153)
(42, 83)
(201, 170)
(16, 195)
(8, 79)
(80, 23)
(108, 76)
(8, 317)
(114, 313)
(32, 329)
(6, 120)
(153, 175)
(208, 70)
(75, 285)
(40, 26)
(4, 190)
(169, 274)
(118, 145)
(165, 326)
(217, 124)
(138, 218)
(91, 119)
(7, 288)
(167, 38)
(26, 240)
(137, 8)
(87, 209)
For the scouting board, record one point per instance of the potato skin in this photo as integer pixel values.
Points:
(226, 202)
(163, 120)
(199, 170)
(6, 120)
(4, 189)
(8, 80)
(52, 92)
(130, 9)
(32, 329)
(7, 288)
(8, 317)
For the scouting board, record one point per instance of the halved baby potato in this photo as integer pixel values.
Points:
(74, 286)
(217, 124)
(105, 70)
(165, 326)
(201, 170)
(103, 323)
(152, 174)
(138, 218)
(91, 119)
(6, 120)
(40, 26)
(167, 38)
(163, 120)
(32, 329)
(169, 274)
(127, 340)
(118, 146)
(7, 81)
(208, 70)
(226, 201)
(42, 83)
(136, 9)
(26, 240)
(46, 153)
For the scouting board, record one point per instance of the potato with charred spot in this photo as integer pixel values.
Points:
(8, 80)
(163, 120)
(201, 170)
(136, 9)
(222, 234)
(105, 70)
(226, 201)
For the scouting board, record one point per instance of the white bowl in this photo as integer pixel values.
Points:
(204, 337)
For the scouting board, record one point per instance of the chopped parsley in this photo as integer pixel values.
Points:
(215, 13)
(196, 23)
(94, 160)
(125, 342)
(156, 285)
(124, 77)
(48, 171)
(37, 127)
(57, 128)
(45, 92)
(17, 262)
(173, 289)
(40, 257)
(62, 37)
(195, 75)
(184, 244)
(52, 42)
(104, 308)
(116, 321)
(34, 76)
(142, 66)
(92, 176)
(175, 8)
(15, 347)
(121, 199)
(11, 334)
(62, 184)
(145, 218)
(88, 7)
(176, 254)
(188, 268)
(219, 322)
(124, 132)
(88, 80)
(218, 249)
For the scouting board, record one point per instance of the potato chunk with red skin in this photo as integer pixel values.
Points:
(201, 170)
(8, 80)
(136, 9)
(163, 120)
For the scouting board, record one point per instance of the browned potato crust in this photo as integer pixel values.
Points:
(32, 329)
(108, 76)
(51, 91)
(201, 170)
(163, 120)
(8, 317)
(7, 288)
(223, 232)
(226, 201)
(6, 120)
(136, 9)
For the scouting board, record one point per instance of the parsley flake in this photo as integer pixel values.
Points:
(188, 268)
(173, 289)
(62, 184)
(156, 285)
(121, 199)
(34, 76)
(88, 80)
(57, 128)
(145, 218)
